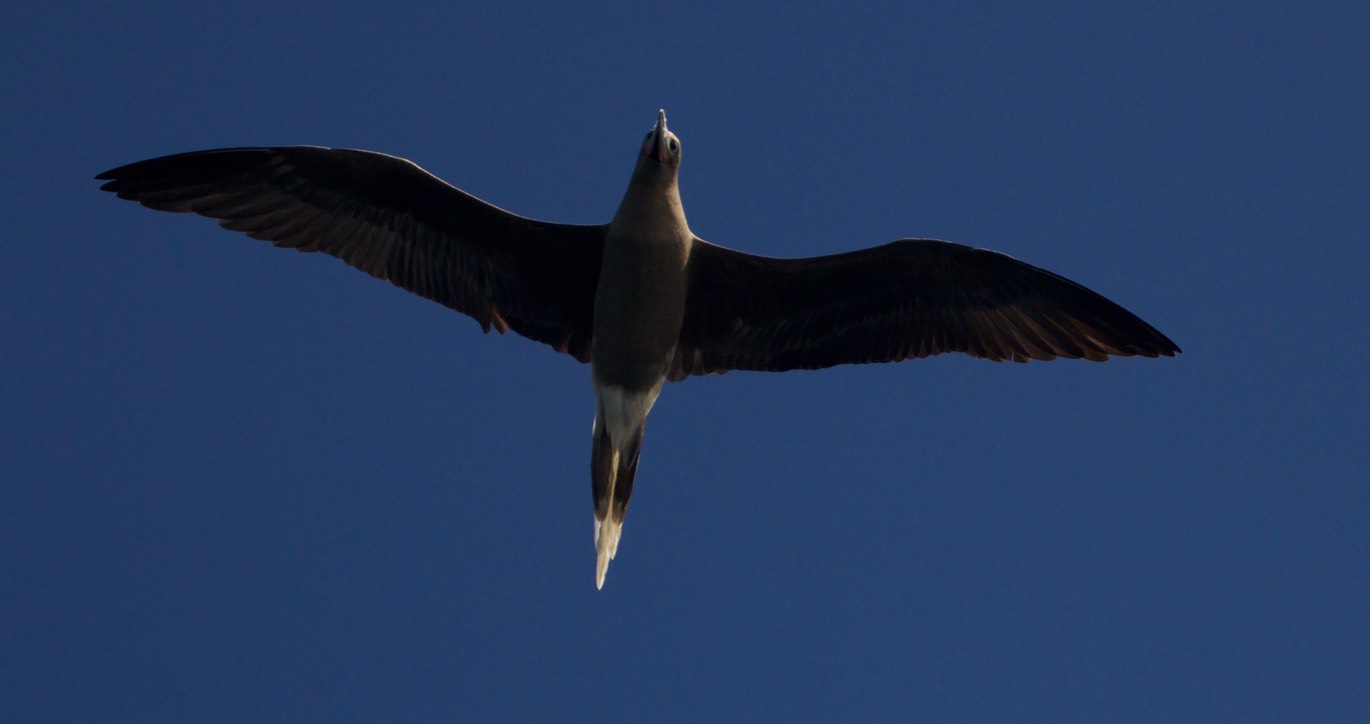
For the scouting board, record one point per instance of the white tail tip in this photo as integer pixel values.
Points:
(607, 533)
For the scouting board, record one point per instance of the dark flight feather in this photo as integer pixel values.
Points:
(393, 220)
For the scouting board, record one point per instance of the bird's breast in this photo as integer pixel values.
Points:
(639, 307)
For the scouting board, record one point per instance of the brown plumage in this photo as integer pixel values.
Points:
(641, 298)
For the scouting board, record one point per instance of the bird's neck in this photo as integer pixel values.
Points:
(651, 207)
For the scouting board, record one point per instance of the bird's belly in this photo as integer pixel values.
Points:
(638, 313)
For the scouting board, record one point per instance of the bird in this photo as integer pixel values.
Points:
(641, 298)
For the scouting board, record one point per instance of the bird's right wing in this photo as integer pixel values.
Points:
(906, 299)
(393, 220)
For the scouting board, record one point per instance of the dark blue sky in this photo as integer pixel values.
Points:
(243, 483)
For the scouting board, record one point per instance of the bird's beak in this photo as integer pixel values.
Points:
(658, 151)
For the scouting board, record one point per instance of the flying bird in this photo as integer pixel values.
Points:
(641, 298)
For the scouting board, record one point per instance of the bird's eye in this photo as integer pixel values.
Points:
(675, 146)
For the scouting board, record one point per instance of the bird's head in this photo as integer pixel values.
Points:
(661, 145)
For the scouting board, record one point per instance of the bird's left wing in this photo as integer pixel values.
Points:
(393, 220)
(906, 299)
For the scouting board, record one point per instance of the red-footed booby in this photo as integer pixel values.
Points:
(642, 299)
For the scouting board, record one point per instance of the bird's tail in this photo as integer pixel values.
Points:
(612, 470)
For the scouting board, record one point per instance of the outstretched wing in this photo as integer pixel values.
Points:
(910, 298)
(393, 220)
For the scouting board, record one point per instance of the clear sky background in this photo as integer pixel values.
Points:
(243, 483)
